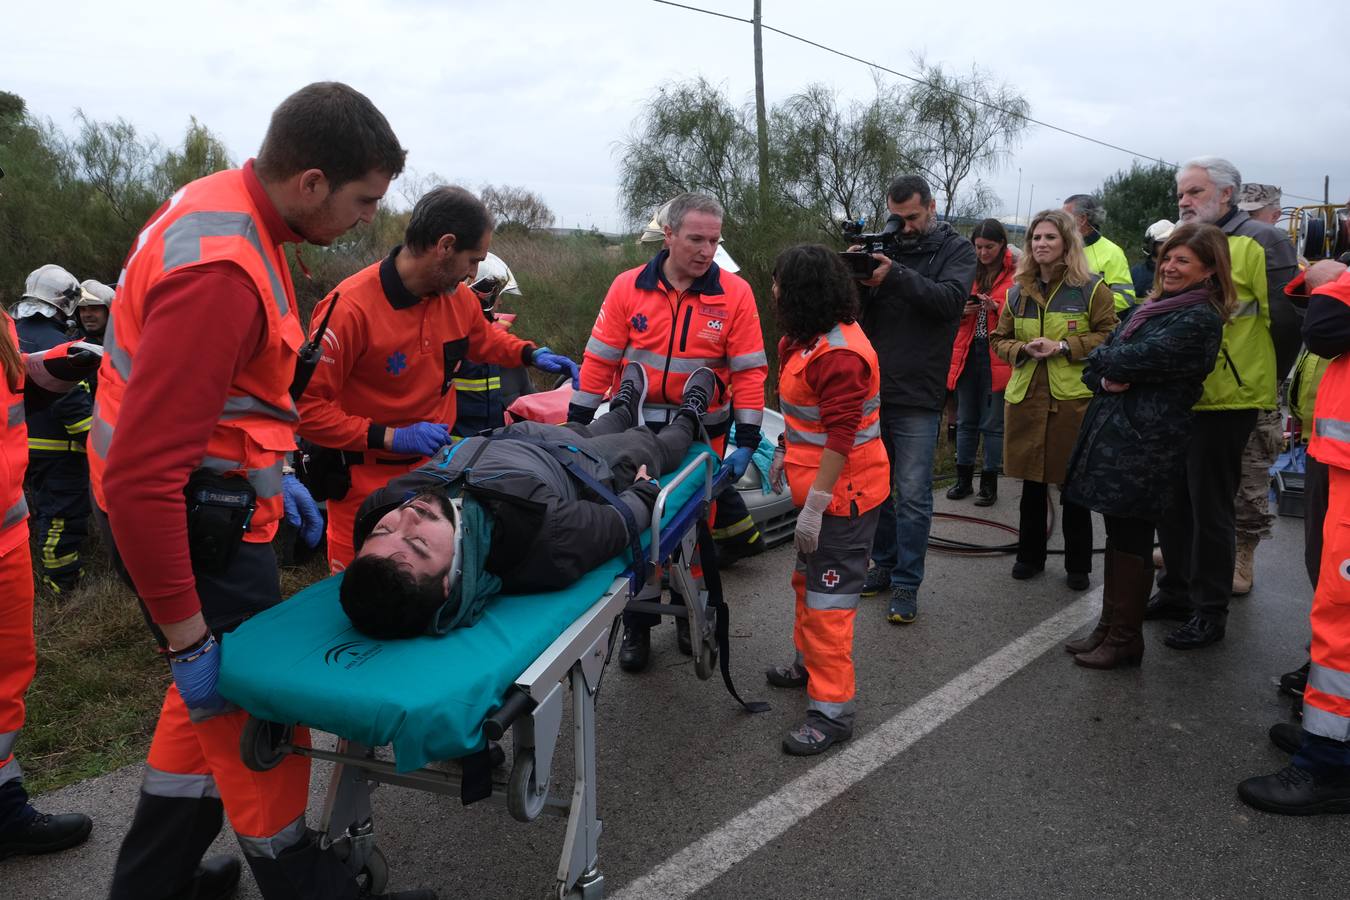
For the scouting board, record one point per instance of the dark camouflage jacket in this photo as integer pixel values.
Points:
(1132, 445)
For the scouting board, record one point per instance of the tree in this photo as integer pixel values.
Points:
(1135, 200)
(834, 162)
(962, 125)
(517, 209)
(200, 154)
(690, 138)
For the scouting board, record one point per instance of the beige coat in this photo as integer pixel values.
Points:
(1039, 432)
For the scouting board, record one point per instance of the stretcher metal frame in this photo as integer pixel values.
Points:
(532, 710)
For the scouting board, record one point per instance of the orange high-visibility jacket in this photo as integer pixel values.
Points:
(714, 323)
(13, 459)
(1331, 412)
(211, 220)
(866, 479)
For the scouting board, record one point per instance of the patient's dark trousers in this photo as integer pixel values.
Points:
(626, 448)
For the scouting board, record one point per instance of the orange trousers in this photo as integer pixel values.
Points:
(366, 479)
(18, 652)
(1326, 701)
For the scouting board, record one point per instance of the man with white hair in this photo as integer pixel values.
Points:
(1259, 344)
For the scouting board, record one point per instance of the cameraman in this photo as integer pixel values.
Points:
(918, 291)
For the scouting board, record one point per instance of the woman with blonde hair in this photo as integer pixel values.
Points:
(1131, 451)
(1058, 311)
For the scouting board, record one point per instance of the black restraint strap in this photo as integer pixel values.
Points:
(712, 580)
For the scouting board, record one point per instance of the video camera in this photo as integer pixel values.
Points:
(886, 242)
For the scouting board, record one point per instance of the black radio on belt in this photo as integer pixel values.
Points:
(219, 510)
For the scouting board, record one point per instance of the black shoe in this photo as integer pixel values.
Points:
(217, 879)
(1162, 606)
(815, 735)
(636, 650)
(1287, 736)
(1022, 571)
(1293, 683)
(1077, 581)
(875, 581)
(988, 494)
(964, 487)
(632, 390)
(699, 389)
(1198, 632)
(46, 834)
(1297, 792)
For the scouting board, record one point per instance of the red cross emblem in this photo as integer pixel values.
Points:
(830, 578)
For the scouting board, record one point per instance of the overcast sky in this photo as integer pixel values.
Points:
(541, 94)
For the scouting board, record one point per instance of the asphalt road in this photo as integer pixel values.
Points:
(985, 763)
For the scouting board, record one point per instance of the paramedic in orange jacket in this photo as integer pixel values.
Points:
(1317, 779)
(674, 315)
(382, 398)
(829, 388)
(192, 425)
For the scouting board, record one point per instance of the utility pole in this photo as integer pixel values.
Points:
(761, 117)
(1031, 200)
(1017, 207)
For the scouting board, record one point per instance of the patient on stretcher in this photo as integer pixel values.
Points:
(519, 509)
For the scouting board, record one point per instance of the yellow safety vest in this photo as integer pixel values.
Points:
(1065, 313)
(1308, 372)
(1107, 259)
(1244, 373)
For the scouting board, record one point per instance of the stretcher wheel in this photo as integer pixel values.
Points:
(524, 799)
(374, 875)
(260, 744)
(706, 660)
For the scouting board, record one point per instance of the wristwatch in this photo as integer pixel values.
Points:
(1064, 348)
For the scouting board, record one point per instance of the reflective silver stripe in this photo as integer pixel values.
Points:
(15, 417)
(101, 434)
(682, 365)
(750, 416)
(1326, 680)
(806, 413)
(183, 243)
(274, 845)
(238, 407)
(158, 783)
(870, 433)
(587, 399)
(819, 600)
(10, 771)
(662, 413)
(835, 337)
(748, 361)
(121, 360)
(599, 348)
(1247, 308)
(1122, 288)
(7, 740)
(872, 404)
(1326, 724)
(267, 482)
(16, 513)
(830, 710)
(816, 439)
(1335, 429)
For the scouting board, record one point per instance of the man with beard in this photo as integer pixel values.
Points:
(911, 315)
(382, 398)
(1260, 342)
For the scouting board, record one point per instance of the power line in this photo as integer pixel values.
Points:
(938, 87)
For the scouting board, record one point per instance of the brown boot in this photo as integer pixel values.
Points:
(1097, 635)
(1124, 644)
(1243, 568)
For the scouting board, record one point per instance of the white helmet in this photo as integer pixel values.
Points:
(494, 278)
(95, 293)
(1159, 231)
(656, 231)
(53, 285)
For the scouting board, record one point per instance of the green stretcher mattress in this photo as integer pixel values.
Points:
(302, 662)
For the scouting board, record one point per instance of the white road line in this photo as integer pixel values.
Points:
(696, 866)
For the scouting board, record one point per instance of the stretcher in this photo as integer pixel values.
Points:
(433, 699)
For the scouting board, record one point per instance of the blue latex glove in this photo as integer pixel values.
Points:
(301, 510)
(196, 672)
(546, 360)
(422, 439)
(738, 461)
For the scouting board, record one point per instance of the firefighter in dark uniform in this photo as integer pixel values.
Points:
(58, 469)
(93, 309)
(483, 391)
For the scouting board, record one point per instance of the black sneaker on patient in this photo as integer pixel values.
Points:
(699, 388)
(632, 390)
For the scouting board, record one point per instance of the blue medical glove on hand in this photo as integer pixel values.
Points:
(738, 461)
(301, 510)
(422, 439)
(196, 671)
(546, 360)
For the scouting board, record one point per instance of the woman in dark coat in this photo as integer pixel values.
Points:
(1132, 444)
